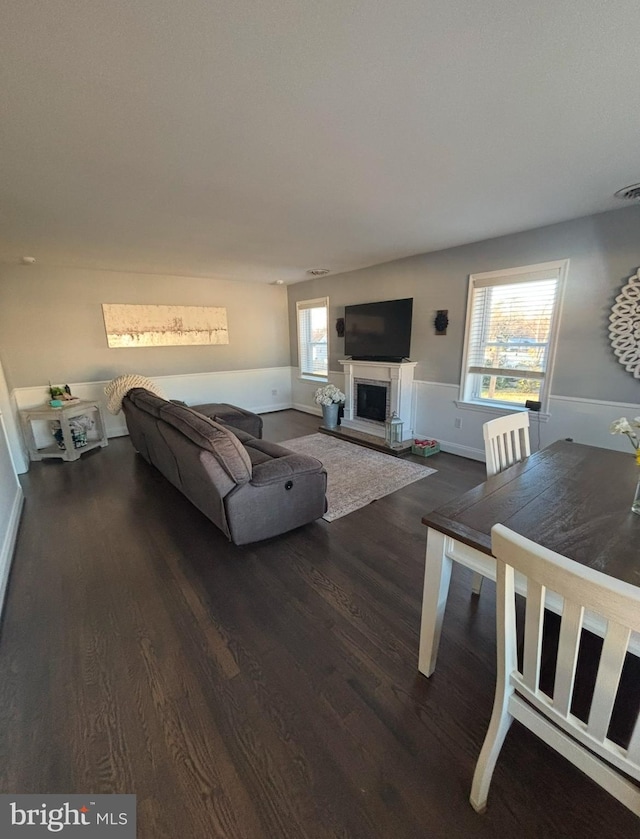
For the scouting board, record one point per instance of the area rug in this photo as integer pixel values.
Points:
(356, 476)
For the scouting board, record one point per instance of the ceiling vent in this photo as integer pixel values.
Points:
(629, 193)
(318, 272)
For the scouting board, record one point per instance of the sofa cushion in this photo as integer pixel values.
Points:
(221, 442)
(293, 465)
(261, 451)
(147, 401)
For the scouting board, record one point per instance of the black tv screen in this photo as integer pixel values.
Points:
(378, 331)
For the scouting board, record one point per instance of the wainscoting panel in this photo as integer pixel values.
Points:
(302, 390)
(260, 391)
(435, 413)
(11, 500)
(584, 420)
(587, 421)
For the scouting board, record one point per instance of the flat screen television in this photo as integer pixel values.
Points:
(378, 331)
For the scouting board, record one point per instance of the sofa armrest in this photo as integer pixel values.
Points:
(284, 468)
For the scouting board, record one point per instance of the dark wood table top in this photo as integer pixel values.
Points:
(571, 498)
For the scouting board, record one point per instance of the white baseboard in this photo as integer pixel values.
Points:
(269, 409)
(9, 543)
(306, 409)
(120, 432)
(462, 451)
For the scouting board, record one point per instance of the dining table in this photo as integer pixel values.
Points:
(569, 497)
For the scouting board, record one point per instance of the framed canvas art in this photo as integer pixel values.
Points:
(133, 325)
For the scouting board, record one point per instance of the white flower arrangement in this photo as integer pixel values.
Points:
(630, 428)
(328, 394)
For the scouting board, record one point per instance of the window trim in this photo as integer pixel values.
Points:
(504, 277)
(301, 305)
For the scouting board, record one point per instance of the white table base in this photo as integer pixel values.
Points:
(441, 552)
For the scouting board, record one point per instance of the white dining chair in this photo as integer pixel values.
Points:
(518, 694)
(506, 441)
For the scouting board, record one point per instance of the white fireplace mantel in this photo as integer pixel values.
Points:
(399, 377)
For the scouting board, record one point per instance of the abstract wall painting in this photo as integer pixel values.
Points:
(131, 325)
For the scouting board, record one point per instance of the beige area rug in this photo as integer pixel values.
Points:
(356, 476)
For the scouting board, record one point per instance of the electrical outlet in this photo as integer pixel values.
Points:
(457, 422)
(274, 392)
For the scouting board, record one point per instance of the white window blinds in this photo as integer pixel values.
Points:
(510, 334)
(313, 337)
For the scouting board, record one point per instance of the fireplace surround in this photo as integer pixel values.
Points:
(364, 409)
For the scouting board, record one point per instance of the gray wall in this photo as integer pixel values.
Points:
(51, 325)
(604, 251)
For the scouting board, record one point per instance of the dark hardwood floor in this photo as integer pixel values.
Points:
(263, 691)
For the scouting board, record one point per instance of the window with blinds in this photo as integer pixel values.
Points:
(512, 319)
(313, 337)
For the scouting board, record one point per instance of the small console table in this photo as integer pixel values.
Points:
(73, 447)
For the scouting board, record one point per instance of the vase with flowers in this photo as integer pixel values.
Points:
(329, 397)
(631, 429)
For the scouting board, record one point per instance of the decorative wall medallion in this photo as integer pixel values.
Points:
(624, 326)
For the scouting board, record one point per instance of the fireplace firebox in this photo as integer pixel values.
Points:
(372, 401)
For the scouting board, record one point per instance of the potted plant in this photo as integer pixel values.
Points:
(329, 397)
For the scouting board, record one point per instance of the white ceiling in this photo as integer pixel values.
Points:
(253, 139)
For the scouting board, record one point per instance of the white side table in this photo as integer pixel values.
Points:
(71, 451)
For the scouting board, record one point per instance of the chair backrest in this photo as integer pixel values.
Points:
(506, 441)
(582, 588)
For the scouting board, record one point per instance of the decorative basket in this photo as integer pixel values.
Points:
(78, 427)
(425, 448)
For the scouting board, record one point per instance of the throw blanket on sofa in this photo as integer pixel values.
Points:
(118, 388)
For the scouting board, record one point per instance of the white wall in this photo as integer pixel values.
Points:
(10, 497)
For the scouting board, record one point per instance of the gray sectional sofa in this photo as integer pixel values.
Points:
(250, 488)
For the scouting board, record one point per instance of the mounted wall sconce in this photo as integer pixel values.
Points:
(441, 321)
(340, 327)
